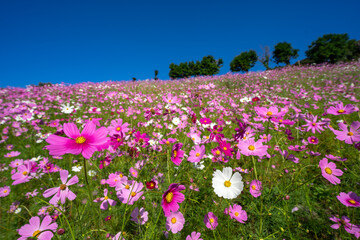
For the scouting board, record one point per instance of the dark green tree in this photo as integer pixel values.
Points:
(156, 73)
(243, 62)
(134, 79)
(284, 52)
(210, 66)
(264, 58)
(333, 48)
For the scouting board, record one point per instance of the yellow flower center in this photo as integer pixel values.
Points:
(167, 142)
(106, 197)
(225, 148)
(253, 187)
(169, 100)
(133, 194)
(36, 233)
(314, 124)
(25, 173)
(5, 191)
(173, 220)
(197, 154)
(127, 186)
(350, 133)
(175, 153)
(328, 170)
(120, 175)
(236, 214)
(80, 140)
(269, 113)
(251, 148)
(119, 139)
(118, 128)
(217, 152)
(212, 220)
(341, 111)
(133, 173)
(313, 140)
(352, 201)
(62, 186)
(227, 183)
(169, 197)
(265, 137)
(281, 120)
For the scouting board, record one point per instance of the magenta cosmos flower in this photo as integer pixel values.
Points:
(329, 171)
(194, 236)
(255, 188)
(4, 191)
(268, 112)
(236, 212)
(347, 136)
(131, 192)
(34, 227)
(105, 201)
(171, 198)
(340, 109)
(349, 199)
(62, 192)
(211, 221)
(25, 172)
(313, 140)
(349, 227)
(177, 154)
(86, 142)
(251, 148)
(175, 222)
(118, 127)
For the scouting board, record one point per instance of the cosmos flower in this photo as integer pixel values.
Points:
(349, 227)
(313, 140)
(339, 109)
(4, 191)
(197, 154)
(236, 212)
(131, 192)
(211, 221)
(177, 154)
(251, 148)
(255, 188)
(12, 154)
(35, 227)
(349, 199)
(329, 171)
(194, 236)
(347, 136)
(86, 143)
(139, 216)
(62, 192)
(270, 112)
(118, 127)
(25, 172)
(226, 184)
(172, 197)
(105, 201)
(175, 222)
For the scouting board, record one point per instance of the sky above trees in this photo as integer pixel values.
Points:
(81, 41)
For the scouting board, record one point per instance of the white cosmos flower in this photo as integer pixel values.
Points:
(176, 121)
(226, 184)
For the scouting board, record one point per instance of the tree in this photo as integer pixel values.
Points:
(265, 57)
(156, 73)
(210, 66)
(284, 52)
(243, 62)
(134, 79)
(333, 48)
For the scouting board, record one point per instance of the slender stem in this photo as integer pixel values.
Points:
(254, 163)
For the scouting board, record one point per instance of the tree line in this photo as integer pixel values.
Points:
(330, 48)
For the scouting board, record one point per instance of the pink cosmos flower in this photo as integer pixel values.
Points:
(205, 121)
(351, 136)
(197, 154)
(62, 192)
(270, 112)
(175, 222)
(313, 125)
(329, 171)
(349, 199)
(169, 98)
(236, 212)
(4, 191)
(24, 172)
(167, 141)
(34, 228)
(250, 147)
(12, 154)
(194, 236)
(105, 201)
(340, 109)
(118, 127)
(211, 221)
(171, 198)
(133, 172)
(139, 216)
(349, 227)
(131, 192)
(115, 179)
(16, 163)
(177, 154)
(255, 188)
(86, 143)
(226, 148)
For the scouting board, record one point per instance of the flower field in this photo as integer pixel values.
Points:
(266, 155)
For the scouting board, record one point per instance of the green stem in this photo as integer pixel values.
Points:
(254, 163)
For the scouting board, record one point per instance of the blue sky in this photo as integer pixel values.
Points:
(80, 41)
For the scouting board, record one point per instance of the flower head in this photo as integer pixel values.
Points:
(329, 171)
(236, 212)
(37, 229)
(211, 221)
(349, 199)
(226, 184)
(175, 222)
(172, 197)
(255, 188)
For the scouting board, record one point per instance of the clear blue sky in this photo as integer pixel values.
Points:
(75, 41)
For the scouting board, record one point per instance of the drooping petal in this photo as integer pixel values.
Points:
(71, 130)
